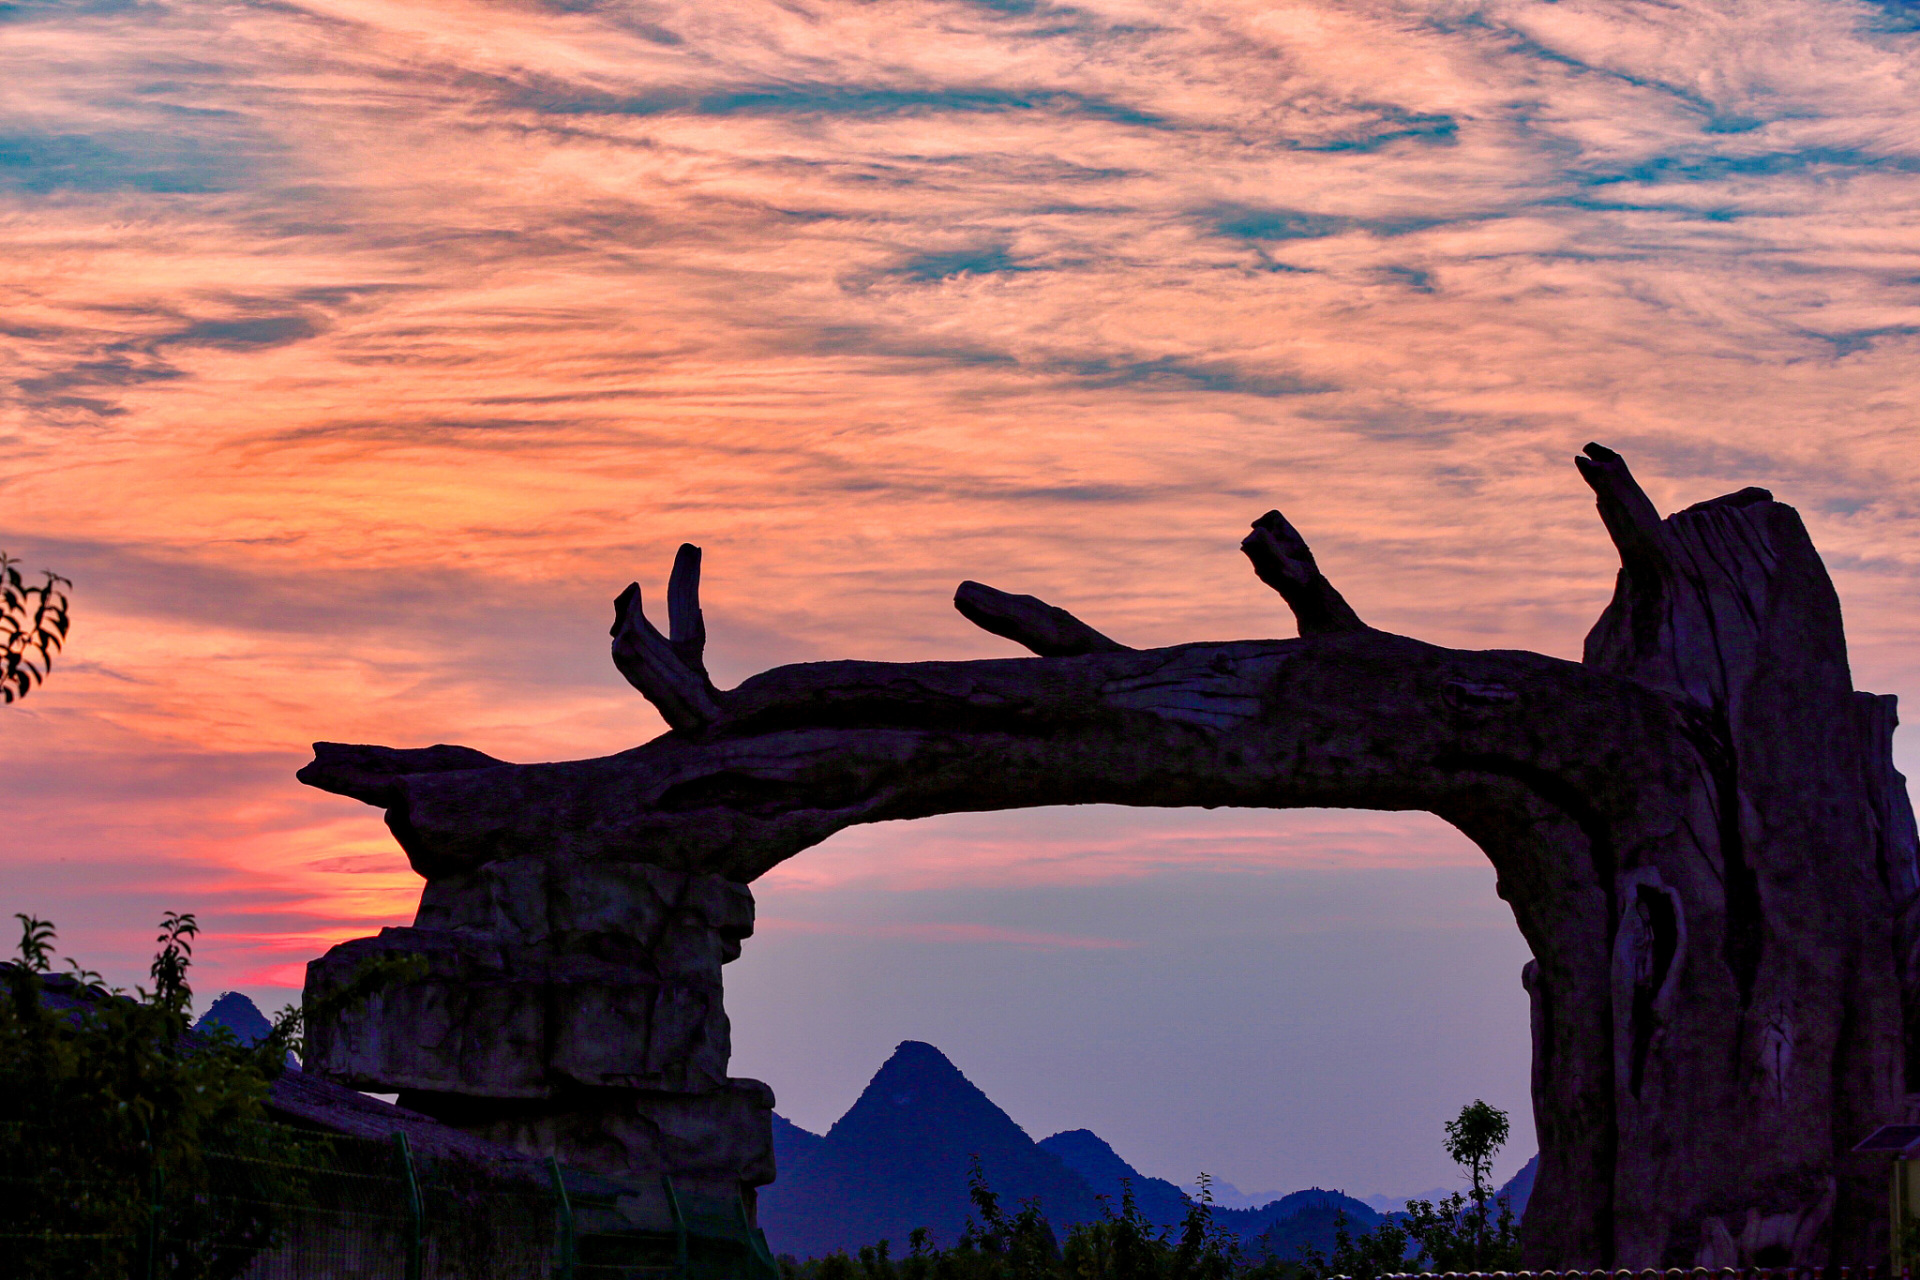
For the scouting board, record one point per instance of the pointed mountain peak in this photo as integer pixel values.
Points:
(237, 1014)
(918, 1088)
(917, 1065)
(1107, 1172)
(899, 1159)
(1081, 1140)
(920, 1057)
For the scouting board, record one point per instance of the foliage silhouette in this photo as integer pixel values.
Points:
(994, 1245)
(1367, 1256)
(1473, 1137)
(33, 626)
(109, 1105)
(1457, 1233)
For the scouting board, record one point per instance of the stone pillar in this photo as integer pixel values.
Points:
(562, 1008)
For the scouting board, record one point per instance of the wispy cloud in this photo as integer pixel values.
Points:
(354, 354)
(946, 932)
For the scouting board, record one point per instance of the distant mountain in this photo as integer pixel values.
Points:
(1398, 1204)
(1519, 1188)
(791, 1145)
(1516, 1189)
(1232, 1197)
(237, 1014)
(1088, 1155)
(898, 1160)
(1279, 1229)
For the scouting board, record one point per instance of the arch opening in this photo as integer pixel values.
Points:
(1280, 998)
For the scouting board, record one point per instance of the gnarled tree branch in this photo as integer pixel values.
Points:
(671, 673)
(368, 773)
(1047, 630)
(1631, 519)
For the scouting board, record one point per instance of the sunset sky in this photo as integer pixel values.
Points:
(355, 355)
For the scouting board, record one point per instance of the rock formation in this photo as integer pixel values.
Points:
(563, 1008)
(1699, 830)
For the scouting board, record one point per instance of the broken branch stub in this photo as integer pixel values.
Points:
(1284, 562)
(686, 626)
(1046, 629)
(653, 664)
(1631, 519)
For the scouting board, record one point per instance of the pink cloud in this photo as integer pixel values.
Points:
(358, 353)
(1094, 844)
(971, 934)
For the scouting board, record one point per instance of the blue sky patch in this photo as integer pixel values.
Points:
(130, 161)
(1250, 223)
(987, 260)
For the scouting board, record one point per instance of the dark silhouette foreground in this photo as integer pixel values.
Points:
(1699, 830)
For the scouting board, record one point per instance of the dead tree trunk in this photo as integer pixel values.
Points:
(1699, 831)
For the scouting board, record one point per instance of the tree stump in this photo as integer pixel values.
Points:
(1698, 828)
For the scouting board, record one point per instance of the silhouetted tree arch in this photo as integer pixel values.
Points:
(1698, 828)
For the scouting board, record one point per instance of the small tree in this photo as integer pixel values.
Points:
(1473, 1137)
(1459, 1233)
(1116, 1246)
(33, 625)
(1462, 1233)
(1204, 1251)
(1019, 1248)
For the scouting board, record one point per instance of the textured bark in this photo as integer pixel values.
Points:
(1698, 829)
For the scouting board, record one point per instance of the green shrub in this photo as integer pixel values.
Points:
(108, 1105)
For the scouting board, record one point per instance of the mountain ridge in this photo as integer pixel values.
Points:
(1106, 1174)
(898, 1159)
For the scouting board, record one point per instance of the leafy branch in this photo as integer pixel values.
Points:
(33, 626)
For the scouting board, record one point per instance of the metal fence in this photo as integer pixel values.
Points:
(1670, 1273)
(314, 1206)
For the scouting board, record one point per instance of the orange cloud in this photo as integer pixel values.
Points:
(358, 353)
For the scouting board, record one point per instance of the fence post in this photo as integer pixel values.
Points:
(415, 1211)
(755, 1237)
(566, 1219)
(679, 1228)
